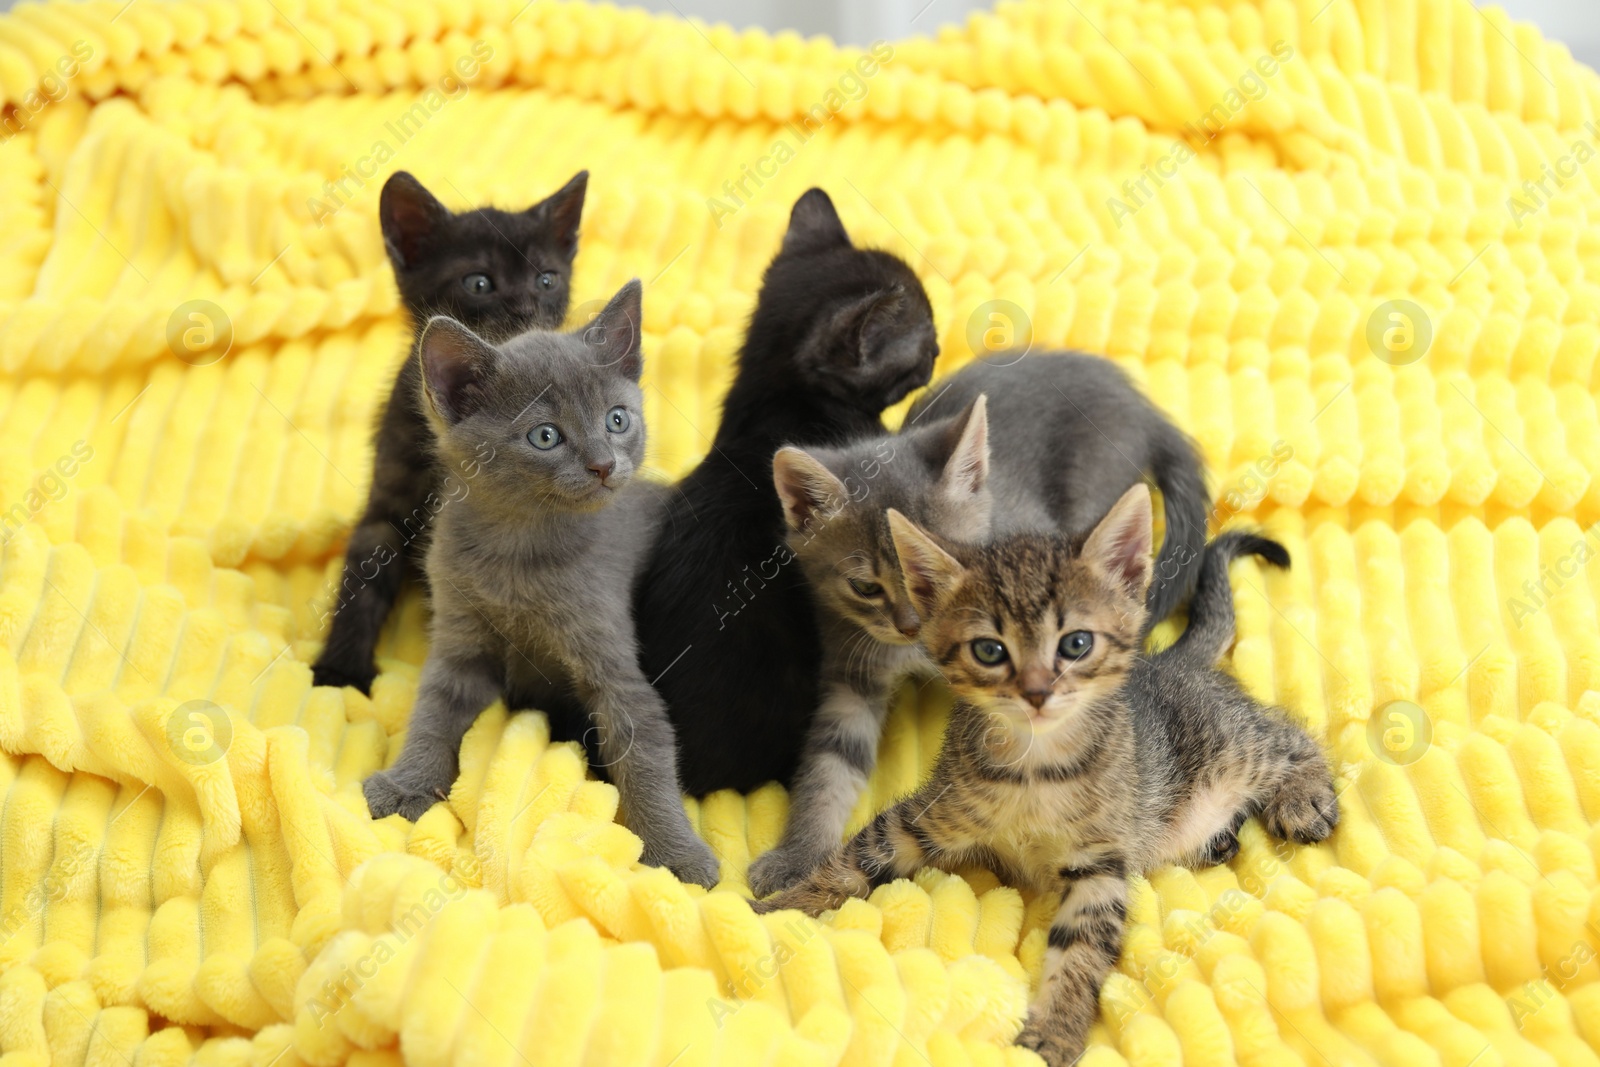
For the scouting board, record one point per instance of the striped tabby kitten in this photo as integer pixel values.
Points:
(1070, 761)
(834, 501)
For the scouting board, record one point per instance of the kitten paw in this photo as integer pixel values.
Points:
(690, 861)
(385, 796)
(1303, 815)
(780, 869)
(1220, 849)
(1057, 1049)
(337, 675)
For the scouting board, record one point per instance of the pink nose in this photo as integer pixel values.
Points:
(602, 467)
(1036, 697)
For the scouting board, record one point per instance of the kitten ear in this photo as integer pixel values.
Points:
(930, 572)
(562, 210)
(807, 489)
(966, 472)
(409, 216)
(614, 335)
(1121, 542)
(455, 364)
(814, 224)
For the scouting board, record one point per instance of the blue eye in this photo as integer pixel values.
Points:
(1077, 644)
(617, 419)
(478, 284)
(544, 437)
(988, 651)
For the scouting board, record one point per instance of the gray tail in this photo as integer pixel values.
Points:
(1185, 501)
(1211, 623)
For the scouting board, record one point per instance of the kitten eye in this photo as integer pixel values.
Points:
(478, 284)
(1076, 645)
(988, 651)
(547, 280)
(617, 419)
(866, 588)
(544, 437)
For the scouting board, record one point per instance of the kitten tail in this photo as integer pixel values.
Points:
(1211, 619)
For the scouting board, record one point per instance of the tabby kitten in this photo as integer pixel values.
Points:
(532, 575)
(497, 272)
(834, 501)
(1071, 762)
(1071, 434)
(838, 334)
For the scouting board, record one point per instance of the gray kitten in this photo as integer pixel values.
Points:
(532, 574)
(1072, 434)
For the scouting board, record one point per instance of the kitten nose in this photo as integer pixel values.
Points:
(602, 467)
(1036, 697)
(905, 618)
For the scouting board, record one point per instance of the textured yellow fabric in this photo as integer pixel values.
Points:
(187, 870)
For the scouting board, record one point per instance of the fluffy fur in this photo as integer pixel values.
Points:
(835, 501)
(838, 334)
(1071, 761)
(521, 261)
(1070, 435)
(532, 573)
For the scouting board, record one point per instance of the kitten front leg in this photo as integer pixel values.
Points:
(840, 751)
(1298, 802)
(639, 751)
(1084, 942)
(453, 691)
(897, 843)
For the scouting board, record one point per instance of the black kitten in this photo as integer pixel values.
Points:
(725, 621)
(499, 272)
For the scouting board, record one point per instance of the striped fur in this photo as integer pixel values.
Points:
(1119, 764)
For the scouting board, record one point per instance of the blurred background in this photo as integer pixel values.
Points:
(860, 22)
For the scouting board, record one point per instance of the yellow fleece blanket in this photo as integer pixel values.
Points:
(197, 322)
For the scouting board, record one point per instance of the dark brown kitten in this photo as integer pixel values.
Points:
(500, 273)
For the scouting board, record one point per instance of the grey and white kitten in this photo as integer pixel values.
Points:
(1071, 761)
(532, 574)
(1070, 433)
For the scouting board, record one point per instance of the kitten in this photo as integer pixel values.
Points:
(834, 501)
(532, 574)
(497, 272)
(838, 334)
(1073, 433)
(1070, 434)
(1070, 761)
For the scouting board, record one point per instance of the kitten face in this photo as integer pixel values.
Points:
(835, 502)
(498, 272)
(1030, 629)
(562, 412)
(850, 322)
